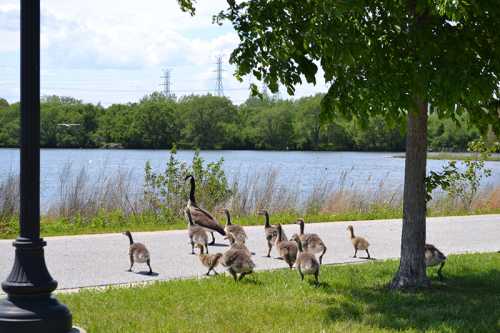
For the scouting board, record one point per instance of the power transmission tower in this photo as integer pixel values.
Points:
(219, 89)
(166, 83)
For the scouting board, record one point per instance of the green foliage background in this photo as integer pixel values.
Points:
(211, 122)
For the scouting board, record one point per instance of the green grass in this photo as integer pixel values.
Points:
(351, 298)
(117, 222)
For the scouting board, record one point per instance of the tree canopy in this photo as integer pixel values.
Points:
(376, 55)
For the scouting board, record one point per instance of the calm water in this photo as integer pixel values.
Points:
(302, 169)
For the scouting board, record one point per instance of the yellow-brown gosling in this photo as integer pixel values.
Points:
(210, 261)
(271, 232)
(310, 242)
(197, 235)
(138, 253)
(200, 216)
(287, 249)
(306, 263)
(235, 244)
(434, 257)
(237, 261)
(236, 230)
(359, 243)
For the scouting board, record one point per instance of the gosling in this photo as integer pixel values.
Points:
(210, 261)
(359, 243)
(271, 232)
(287, 249)
(138, 253)
(237, 245)
(236, 230)
(237, 262)
(197, 235)
(310, 242)
(306, 263)
(434, 257)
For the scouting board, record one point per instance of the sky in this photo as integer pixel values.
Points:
(115, 51)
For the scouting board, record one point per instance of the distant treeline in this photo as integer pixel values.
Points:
(211, 122)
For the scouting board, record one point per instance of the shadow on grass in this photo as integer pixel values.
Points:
(465, 303)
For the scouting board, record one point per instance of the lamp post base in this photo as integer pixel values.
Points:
(43, 314)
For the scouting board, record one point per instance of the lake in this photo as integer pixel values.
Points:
(364, 170)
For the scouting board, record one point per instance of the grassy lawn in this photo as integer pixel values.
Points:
(351, 298)
(115, 222)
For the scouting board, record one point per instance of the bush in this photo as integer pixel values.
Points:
(166, 193)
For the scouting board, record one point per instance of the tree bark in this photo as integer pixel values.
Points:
(412, 272)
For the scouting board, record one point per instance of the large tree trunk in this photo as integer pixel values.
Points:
(412, 273)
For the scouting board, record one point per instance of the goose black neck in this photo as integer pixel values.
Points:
(301, 224)
(352, 232)
(192, 190)
(279, 234)
(266, 214)
(228, 217)
(299, 245)
(190, 219)
(130, 238)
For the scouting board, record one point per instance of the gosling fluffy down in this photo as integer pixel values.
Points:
(359, 243)
(237, 262)
(138, 253)
(210, 261)
(306, 263)
(287, 249)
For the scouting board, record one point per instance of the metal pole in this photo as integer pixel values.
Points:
(29, 306)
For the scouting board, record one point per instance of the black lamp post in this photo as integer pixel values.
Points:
(29, 306)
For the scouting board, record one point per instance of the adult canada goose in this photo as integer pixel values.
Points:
(236, 230)
(306, 263)
(237, 261)
(359, 243)
(210, 261)
(310, 242)
(200, 216)
(197, 235)
(235, 244)
(271, 232)
(287, 249)
(434, 257)
(138, 253)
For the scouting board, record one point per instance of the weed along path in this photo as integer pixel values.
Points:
(100, 260)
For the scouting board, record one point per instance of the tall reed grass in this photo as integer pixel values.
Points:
(83, 198)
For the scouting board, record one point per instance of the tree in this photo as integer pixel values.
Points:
(391, 58)
(206, 120)
(3, 104)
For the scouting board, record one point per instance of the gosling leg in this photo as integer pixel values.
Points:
(131, 263)
(270, 246)
(316, 277)
(149, 265)
(368, 253)
(440, 275)
(213, 239)
(233, 273)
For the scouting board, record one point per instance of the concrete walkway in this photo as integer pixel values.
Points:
(98, 260)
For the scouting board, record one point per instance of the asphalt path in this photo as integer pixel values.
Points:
(100, 260)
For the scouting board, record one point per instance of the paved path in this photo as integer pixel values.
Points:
(95, 260)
